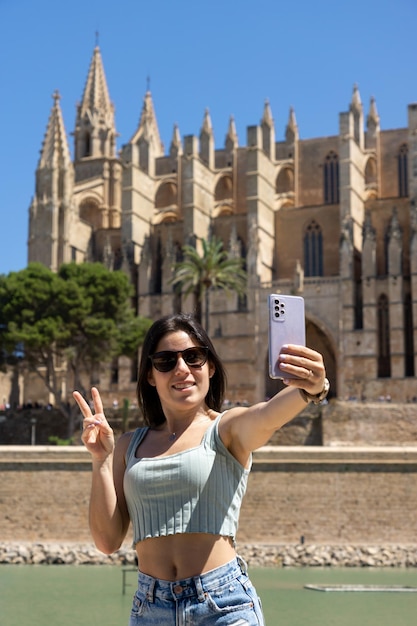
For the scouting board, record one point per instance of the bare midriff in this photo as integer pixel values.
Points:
(183, 555)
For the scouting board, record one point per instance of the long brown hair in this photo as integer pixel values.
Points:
(148, 398)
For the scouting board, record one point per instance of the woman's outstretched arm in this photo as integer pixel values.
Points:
(244, 430)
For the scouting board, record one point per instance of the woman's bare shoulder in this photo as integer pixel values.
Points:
(123, 442)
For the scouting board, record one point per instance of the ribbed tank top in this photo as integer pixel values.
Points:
(199, 490)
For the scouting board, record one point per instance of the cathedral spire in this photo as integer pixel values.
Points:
(373, 117)
(55, 150)
(175, 148)
(231, 137)
(207, 140)
(145, 146)
(268, 131)
(51, 209)
(267, 115)
(96, 94)
(95, 130)
(356, 112)
(356, 102)
(148, 126)
(207, 125)
(291, 131)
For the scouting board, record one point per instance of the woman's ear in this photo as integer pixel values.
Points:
(151, 379)
(212, 369)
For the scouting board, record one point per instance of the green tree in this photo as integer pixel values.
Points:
(30, 323)
(77, 318)
(214, 269)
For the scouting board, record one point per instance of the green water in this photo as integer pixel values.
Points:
(60, 595)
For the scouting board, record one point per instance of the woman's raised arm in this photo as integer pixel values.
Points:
(108, 515)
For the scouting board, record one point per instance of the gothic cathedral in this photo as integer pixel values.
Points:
(333, 219)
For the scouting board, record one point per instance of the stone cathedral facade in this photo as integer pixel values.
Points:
(333, 219)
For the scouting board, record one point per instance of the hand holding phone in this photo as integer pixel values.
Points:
(286, 325)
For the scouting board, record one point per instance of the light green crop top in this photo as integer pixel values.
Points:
(199, 490)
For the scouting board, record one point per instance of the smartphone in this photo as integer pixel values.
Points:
(286, 325)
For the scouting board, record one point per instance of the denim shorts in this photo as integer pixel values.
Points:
(223, 596)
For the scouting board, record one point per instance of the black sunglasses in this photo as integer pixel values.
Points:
(166, 360)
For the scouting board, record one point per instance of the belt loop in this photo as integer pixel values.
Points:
(199, 587)
(242, 564)
(151, 591)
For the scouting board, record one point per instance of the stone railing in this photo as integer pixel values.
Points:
(256, 555)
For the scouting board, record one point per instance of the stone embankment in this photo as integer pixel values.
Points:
(259, 555)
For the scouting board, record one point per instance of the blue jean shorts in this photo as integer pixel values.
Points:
(223, 596)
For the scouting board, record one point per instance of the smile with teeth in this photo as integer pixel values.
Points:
(183, 385)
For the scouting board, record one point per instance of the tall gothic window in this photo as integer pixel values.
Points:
(358, 296)
(384, 353)
(402, 161)
(313, 250)
(158, 268)
(87, 145)
(408, 336)
(331, 178)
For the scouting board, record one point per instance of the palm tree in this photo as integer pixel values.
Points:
(214, 269)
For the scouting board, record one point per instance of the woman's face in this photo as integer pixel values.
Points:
(184, 387)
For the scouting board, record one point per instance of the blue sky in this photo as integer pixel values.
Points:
(228, 56)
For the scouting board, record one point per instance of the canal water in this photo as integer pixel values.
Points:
(61, 595)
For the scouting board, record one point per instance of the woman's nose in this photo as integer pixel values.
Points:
(181, 365)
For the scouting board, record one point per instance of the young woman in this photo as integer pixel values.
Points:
(181, 479)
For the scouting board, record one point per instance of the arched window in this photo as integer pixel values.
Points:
(224, 189)
(384, 353)
(371, 175)
(285, 181)
(331, 178)
(313, 250)
(166, 195)
(90, 212)
(223, 196)
(402, 162)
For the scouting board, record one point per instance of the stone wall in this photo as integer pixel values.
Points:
(333, 495)
(256, 555)
(369, 424)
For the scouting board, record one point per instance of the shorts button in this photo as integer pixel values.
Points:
(177, 589)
